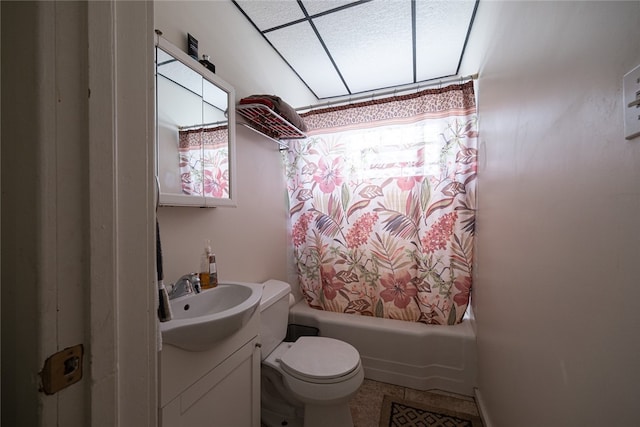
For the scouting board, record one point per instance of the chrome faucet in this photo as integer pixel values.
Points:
(187, 284)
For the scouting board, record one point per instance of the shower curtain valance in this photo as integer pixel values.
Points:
(451, 100)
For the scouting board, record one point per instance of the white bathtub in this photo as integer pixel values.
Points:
(408, 354)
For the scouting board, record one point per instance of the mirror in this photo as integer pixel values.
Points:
(195, 132)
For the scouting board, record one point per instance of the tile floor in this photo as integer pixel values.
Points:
(366, 405)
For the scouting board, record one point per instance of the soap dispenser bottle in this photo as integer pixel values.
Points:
(208, 270)
(213, 270)
(204, 267)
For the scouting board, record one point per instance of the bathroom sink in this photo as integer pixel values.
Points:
(202, 320)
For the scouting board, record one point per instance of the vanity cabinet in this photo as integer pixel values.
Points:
(214, 388)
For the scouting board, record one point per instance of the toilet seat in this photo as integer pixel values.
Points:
(320, 360)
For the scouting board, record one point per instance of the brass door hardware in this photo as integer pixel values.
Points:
(62, 369)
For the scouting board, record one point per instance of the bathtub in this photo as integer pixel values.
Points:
(407, 354)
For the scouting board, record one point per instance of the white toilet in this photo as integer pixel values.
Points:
(308, 382)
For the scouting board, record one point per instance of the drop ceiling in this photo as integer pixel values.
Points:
(341, 47)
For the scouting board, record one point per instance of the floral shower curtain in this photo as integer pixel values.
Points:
(204, 161)
(382, 205)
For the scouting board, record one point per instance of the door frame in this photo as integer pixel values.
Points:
(122, 215)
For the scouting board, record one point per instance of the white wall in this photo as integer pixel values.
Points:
(250, 241)
(558, 247)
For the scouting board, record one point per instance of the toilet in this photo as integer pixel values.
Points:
(306, 383)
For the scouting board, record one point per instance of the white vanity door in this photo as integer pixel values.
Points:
(228, 396)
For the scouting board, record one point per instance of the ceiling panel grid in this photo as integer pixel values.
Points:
(340, 48)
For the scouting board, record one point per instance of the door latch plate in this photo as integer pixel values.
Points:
(62, 369)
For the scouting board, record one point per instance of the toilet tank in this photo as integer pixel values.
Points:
(274, 315)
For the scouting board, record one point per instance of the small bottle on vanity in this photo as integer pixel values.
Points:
(205, 281)
(213, 270)
(208, 269)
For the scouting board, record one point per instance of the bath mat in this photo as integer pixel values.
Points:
(440, 411)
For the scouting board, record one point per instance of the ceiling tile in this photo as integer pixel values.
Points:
(314, 7)
(301, 48)
(441, 30)
(179, 73)
(371, 44)
(268, 14)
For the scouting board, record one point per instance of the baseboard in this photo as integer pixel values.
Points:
(484, 413)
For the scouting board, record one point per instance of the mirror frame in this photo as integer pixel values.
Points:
(169, 199)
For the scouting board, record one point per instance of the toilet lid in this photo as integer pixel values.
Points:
(319, 358)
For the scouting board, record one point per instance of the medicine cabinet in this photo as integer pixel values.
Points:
(195, 132)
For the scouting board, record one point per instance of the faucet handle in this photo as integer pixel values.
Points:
(195, 283)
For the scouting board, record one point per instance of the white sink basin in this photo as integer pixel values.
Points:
(202, 320)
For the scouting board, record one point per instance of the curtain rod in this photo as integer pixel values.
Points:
(204, 125)
(397, 91)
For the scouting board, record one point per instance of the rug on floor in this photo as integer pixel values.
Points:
(441, 411)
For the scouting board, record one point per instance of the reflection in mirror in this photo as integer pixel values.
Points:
(195, 138)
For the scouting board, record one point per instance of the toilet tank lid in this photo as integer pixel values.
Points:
(272, 291)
